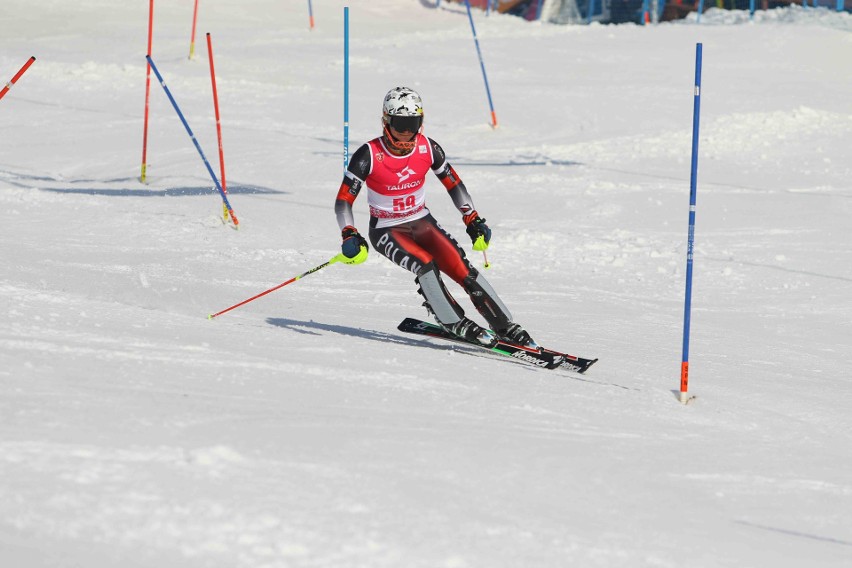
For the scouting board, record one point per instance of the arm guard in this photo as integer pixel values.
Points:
(353, 180)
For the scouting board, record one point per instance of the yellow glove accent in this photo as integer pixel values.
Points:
(357, 259)
(479, 244)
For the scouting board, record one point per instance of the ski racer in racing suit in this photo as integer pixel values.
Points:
(393, 168)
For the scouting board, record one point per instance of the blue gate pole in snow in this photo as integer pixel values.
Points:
(345, 88)
(589, 11)
(693, 184)
(192, 136)
(481, 64)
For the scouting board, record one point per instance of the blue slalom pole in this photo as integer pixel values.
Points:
(700, 11)
(591, 9)
(194, 141)
(693, 182)
(482, 65)
(538, 11)
(345, 88)
(839, 5)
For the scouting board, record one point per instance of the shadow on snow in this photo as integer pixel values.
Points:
(317, 328)
(170, 192)
(27, 181)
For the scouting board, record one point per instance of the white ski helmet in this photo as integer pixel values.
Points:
(402, 110)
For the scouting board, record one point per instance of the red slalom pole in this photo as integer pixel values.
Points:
(219, 134)
(338, 258)
(192, 39)
(17, 76)
(147, 93)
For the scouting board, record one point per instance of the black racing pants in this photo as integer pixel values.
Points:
(415, 244)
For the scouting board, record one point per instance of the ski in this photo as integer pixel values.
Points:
(545, 358)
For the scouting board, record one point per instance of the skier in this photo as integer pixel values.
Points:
(394, 167)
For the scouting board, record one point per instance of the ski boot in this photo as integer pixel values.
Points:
(471, 331)
(514, 333)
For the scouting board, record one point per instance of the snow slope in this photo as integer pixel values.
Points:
(302, 429)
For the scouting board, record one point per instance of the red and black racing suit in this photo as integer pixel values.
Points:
(401, 227)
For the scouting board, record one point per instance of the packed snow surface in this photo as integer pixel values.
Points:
(302, 429)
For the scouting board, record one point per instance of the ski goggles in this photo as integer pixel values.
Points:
(405, 123)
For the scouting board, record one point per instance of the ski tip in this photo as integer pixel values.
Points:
(578, 366)
(586, 368)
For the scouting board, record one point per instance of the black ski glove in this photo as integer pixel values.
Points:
(354, 246)
(478, 231)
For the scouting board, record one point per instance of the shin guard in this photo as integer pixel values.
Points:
(438, 299)
(486, 301)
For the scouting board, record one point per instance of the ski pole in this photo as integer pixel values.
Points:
(690, 247)
(192, 38)
(331, 261)
(482, 65)
(219, 133)
(147, 93)
(345, 88)
(17, 76)
(194, 141)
